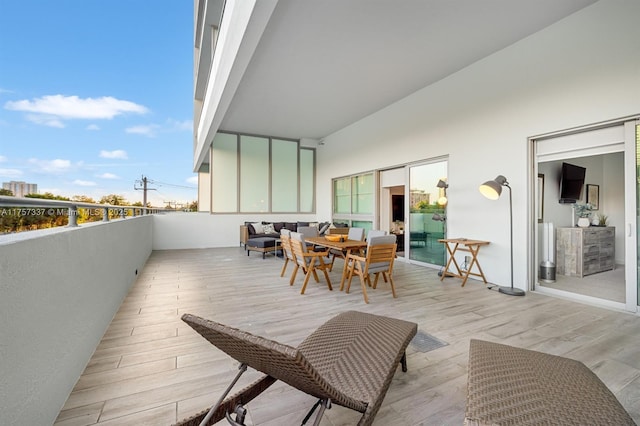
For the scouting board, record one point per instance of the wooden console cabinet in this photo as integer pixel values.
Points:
(585, 251)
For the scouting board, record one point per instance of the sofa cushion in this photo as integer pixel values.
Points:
(257, 228)
(291, 226)
(323, 228)
(268, 228)
(277, 226)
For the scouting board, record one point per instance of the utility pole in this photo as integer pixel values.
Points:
(144, 189)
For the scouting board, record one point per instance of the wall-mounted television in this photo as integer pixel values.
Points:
(571, 183)
(397, 205)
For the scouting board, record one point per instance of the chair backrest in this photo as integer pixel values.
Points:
(375, 233)
(356, 234)
(308, 231)
(381, 252)
(338, 231)
(381, 239)
(298, 248)
(275, 359)
(285, 243)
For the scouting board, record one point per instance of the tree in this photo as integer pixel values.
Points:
(114, 200)
(47, 196)
(6, 192)
(83, 199)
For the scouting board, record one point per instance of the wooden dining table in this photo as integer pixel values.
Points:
(346, 246)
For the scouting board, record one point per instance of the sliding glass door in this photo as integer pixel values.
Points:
(426, 202)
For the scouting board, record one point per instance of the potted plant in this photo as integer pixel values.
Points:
(602, 219)
(583, 211)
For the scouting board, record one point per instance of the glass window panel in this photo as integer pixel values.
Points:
(307, 180)
(342, 194)
(363, 194)
(366, 224)
(224, 169)
(284, 176)
(254, 174)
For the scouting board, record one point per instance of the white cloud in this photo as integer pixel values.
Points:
(84, 182)
(73, 107)
(186, 125)
(10, 173)
(93, 127)
(53, 110)
(149, 130)
(46, 120)
(193, 180)
(51, 166)
(3, 158)
(118, 153)
(108, 176)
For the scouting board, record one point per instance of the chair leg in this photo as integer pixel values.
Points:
(349, 275)
(284, 267)
(364, 290)
(323, 404)
(393, 286)
(326, 276)
(375, 280)
(310, 271)
(293, 275)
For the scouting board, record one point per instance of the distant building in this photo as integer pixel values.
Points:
(20, 189)
(418, 195)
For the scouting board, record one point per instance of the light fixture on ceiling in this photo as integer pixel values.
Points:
(492, 190)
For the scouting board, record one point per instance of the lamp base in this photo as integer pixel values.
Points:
(511, 291)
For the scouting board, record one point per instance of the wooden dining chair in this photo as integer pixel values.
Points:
(356, 234)
(379, 258)
(375, 233)
(308, 260)
(287, 254)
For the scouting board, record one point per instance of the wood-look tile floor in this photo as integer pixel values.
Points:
(150, 368)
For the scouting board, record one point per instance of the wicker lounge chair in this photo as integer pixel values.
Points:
(350, 361)
(514, 386)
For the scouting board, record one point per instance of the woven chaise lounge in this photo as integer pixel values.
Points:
(350, 360)
(514, 386)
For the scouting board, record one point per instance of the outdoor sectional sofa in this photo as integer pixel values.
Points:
(272, 229)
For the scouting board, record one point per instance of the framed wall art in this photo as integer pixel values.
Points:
(593, 196)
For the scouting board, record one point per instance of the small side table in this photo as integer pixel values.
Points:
(463, 244)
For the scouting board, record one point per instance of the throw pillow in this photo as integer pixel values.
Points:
(268, 228)
(324, 229)
(258, 227)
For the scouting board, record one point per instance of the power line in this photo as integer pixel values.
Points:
(173, 184)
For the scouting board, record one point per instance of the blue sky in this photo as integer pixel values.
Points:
(96, 94)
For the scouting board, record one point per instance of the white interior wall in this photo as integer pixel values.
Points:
(578, 71)
(612, 199)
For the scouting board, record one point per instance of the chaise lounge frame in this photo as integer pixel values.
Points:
(350, 360)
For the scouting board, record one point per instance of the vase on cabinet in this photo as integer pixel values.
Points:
(583, 222)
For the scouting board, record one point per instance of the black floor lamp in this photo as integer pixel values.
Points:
(492, 190)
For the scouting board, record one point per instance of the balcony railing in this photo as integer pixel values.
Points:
(45, 207)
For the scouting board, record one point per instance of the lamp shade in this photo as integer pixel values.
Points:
(437, 217)
(493, 188)
(442, 201)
